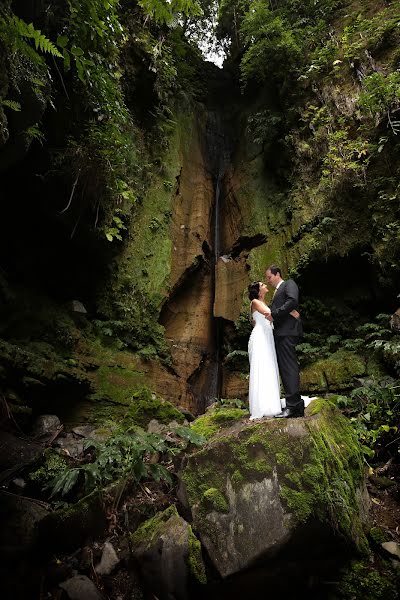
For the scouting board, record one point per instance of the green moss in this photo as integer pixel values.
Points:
(146, 406)
(116, 384)
(237, 478)
(150, 529)
(146, 532)
(215, 500)
(362, 581)
(320, 473)
(215, 419)
(316, 406)
(53, 465)
(195, 559)
(334, 373)
(378, 536)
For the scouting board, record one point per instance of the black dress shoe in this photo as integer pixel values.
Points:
(290, 413)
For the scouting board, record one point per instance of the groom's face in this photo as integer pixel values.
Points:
(271, 278)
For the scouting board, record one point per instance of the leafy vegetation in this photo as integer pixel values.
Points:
(373, 410)
(126, 454)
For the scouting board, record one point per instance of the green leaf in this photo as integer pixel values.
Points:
(76, 51)
(158, 472)
(62, 41)
(67, 60)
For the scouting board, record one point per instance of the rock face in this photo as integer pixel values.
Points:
(259, 490)
(231, 280)
(169, 555)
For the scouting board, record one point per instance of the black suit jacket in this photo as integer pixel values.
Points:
(285, 300)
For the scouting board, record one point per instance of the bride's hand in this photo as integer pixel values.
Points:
(295, 314)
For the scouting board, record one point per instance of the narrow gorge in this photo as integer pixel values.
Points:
(155, 157)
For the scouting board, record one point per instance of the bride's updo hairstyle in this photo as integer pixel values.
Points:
(254, 289)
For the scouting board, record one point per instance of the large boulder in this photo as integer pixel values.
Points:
(169, 556)
(338, 372)
(260, 490)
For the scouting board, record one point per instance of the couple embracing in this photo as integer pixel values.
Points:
(272, 348)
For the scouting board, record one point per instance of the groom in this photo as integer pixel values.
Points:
(288, 330)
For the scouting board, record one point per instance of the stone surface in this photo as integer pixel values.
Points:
(169, 556)
(77, 307)
(81, 587)
(255, 487)
(395, 321)
(17, 451)
(393, 548)
(234, 384)
(69, 445)
(335, 373)
(109, 560)
(45, 424)
(231, 281)
(20, 519)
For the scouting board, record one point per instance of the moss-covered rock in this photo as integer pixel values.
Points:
(169, 555)
(216, 418)
(252, 488)
(147, 406)
(335, 373)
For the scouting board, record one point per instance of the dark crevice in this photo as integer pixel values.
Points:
(246, 243)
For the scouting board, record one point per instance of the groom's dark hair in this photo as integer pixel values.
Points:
(274, 270)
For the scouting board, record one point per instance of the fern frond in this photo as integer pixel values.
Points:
(13, 30)
(41, 41)
(11, 104)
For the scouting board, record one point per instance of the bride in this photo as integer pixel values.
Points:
(264, 393)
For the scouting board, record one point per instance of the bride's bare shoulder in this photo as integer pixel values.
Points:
(259, 306)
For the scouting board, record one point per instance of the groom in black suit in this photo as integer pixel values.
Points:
(288, 330)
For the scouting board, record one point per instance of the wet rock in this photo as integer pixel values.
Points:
(45, 424)
(84, 430)
(169, 556)
(17, 451)
(392, 548)
(337, 372)
(395, 321)
(109, 560)
(81, 587)
(19, 528)
(231, 279)
(19, 483)
(69, 445)
(69, 528)
(77, 307)
(261, 490)
(155, 427)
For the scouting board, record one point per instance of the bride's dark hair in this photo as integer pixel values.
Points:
(254, 289)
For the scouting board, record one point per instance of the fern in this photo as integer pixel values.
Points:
(42, 43)
(11, 104)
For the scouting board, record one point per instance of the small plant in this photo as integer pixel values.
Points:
(125, 454)
(373, 410)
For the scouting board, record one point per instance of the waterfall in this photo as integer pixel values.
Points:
(218, 153)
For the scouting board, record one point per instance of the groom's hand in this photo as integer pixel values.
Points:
(269, 317)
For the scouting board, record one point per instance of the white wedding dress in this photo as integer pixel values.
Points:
(264, 394)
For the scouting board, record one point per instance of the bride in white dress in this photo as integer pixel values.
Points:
(264, 392)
